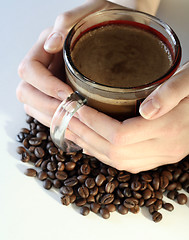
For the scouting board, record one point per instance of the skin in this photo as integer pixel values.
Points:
(159, 136)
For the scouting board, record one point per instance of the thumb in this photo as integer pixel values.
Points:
(167, 96)
(65, 21)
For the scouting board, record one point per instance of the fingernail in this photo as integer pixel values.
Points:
(149, 109)
(63, 95)
(53, 42)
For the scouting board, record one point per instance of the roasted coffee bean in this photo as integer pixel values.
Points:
(81, 178)
(104, 213)
(147, 194)
(123, 185)
(20, 137)
(130, 202)
(156, 183)
(159, 204)
(60, 166)
(32, 126)
(39, 152)
(26, 143)
(80, 202)
(38, 162)
(69, 166)
(66, 190)
(65, 200)
(100, 178)
(70, 182)
(90, 199)
(179, 186)
(150, 202)
(171, 186)
(152, 208)
(51, 166)
(85, 169)
(168, 174)
(109, 187)
(25, 157)
(30, 172)
(60, 158)
(157, 216)
(72, 198)
(136, 195)
(42, 135)
(95, 207)
(47, 184)
(29, 119)
(20, 150)
(112, 171)
(177, 174)
(172, 194)
(77, 157)
(103, 170)
(164, 181)
(34, 141)
(42, 175)
(158, 195)
(84, 210)
(119, 193)
(61, 175)
(83, 192)
(183, 177)
(127, 192)
(143, 185)
(122, 209)
(168, 206)
(135, 185)
(182, 198)
(135, 209)
(31, 149)
(109, 178)
(89, 182)
(107, 198)
(111, 207)
(117, 201)
(123, 177)
(57, 183)
(49, 144)
(141, 202)
(53, 150)
(94, 191)
(51, 175)
(146, 177)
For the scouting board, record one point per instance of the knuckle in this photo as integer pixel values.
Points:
(64, 18)
(119, 137)
(19, 92)
(45, 33)
(22, 68)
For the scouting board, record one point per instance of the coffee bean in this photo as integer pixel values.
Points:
(119, 193)
(177, 174)
(72, 198)
(39, 152)
(182, 198)
(30, 172)
(146, 177)
(66, 190)
(35, 141)
(104, 213)
(127, 192)
(159, 204)
(85, 169)
(123, 177)
(91, 199)
(112, 171)
(53, 150)
(135, 185)
(57, 183)
(42, 175)
(168, 206)
(70, 182)
(26, 143)
(81, 178)
(60, 158)
(171, 186)
(42, 135)
(84, 211)
(29, 119)
(25, 157)
(89, 182)
(69, 166)
(60, 166)
(61, 175)
(147, 194)
(83, 192)
(107, 198)
(136, 195)
(95, 207)
(130, 202)
(172, 194)
(150, 202)
(51, 175)
(156, 183)
(65, 200)
(158, 195)
(94, 191)
(100, 178)
(135, 209)
(52, 166)
(164, 181)
(47, 184)
(152, 208)
(110, 187)
(111, 207)
(20, 150)
(20, 137)
(141, 202)
(156, 216)
(183, 177)
(122, 209)
(168, 174)
(80, 202)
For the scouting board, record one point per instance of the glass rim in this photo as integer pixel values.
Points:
(72, 68)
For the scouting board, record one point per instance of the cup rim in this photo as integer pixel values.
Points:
(175, 64)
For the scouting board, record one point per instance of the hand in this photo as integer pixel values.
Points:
(139, 144)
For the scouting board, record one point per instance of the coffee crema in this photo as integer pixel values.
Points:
(121, 55)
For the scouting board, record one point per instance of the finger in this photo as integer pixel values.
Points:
(41, 117)
(167, 96)
(33, 69)
(36, 99)
(65, 21)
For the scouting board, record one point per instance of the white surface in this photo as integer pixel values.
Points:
(27, 211)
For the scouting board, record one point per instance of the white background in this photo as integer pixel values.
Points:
(27, 211)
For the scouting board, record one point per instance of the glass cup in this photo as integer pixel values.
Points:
(118, 102)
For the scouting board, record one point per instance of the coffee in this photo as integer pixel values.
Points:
(122, 55)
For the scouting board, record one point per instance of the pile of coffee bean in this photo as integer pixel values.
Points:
(94, 186)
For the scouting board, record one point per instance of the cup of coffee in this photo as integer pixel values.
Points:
(113, 60)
